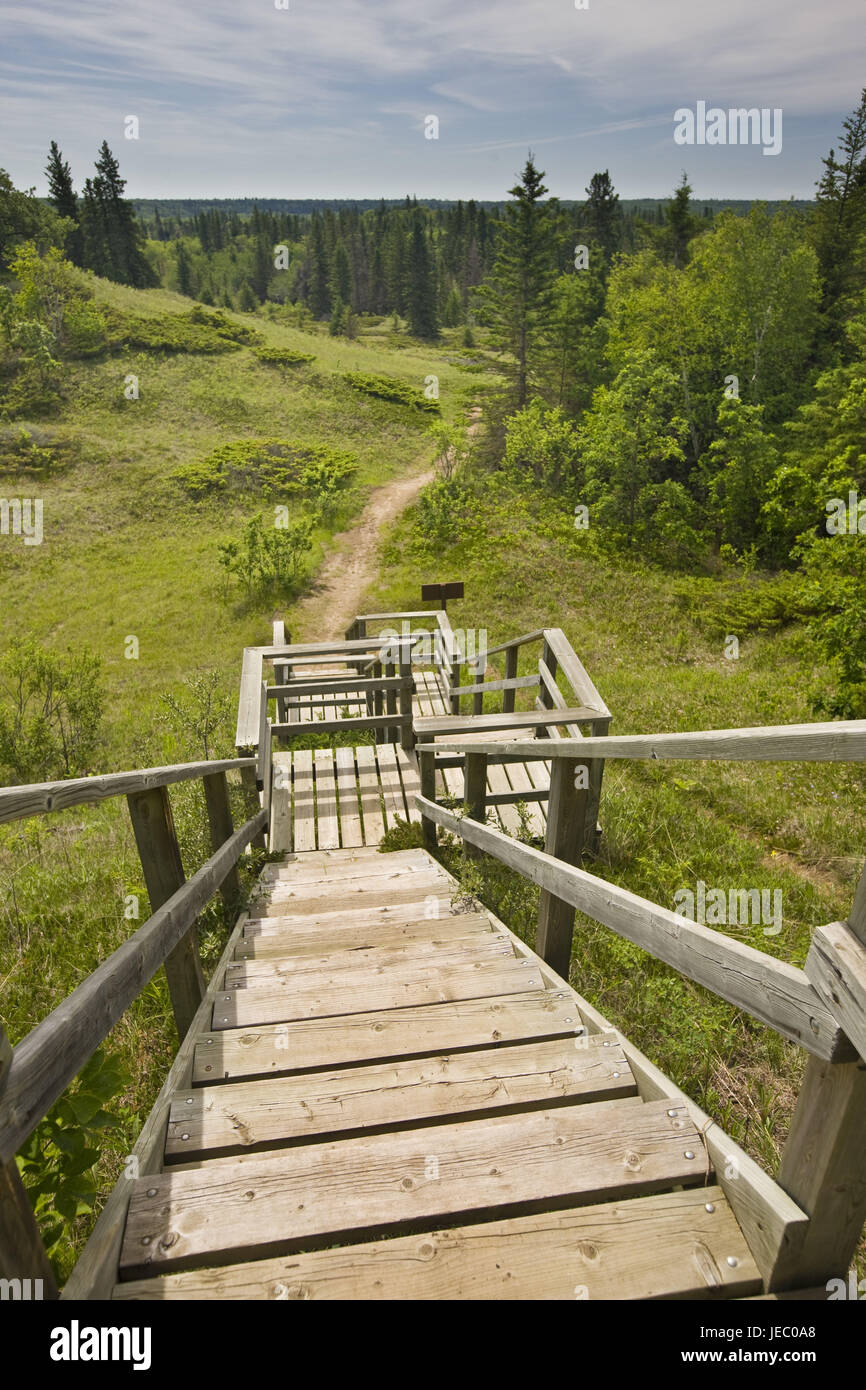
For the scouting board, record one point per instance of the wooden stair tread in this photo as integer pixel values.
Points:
(664, 1246)
(261, 1114)
(312, 940)
(362, 991)
(293, 971)
(250, 1208)
(391, 1033)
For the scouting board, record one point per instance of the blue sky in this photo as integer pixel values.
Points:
(329, 97)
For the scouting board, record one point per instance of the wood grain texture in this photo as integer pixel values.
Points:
(250, 1208)
(836, 966)
(16, 803)
(260, 1115)
(664, 1246)
(273, 1050)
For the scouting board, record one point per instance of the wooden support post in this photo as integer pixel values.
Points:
(158, 850)
(511, 654)
(282, 673)
(566, 816)
(823, 1169)
(390, 703)
(596, 772)
(378, 697)
(219, 814)
(23, 1260)
(427, 769)
(407, 734)
(475, 793)
(544, 694)
(251, 793)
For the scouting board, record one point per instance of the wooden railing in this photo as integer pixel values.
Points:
(821, 1007)
(36, 1072)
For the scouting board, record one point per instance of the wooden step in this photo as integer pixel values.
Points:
(314, 940)
(404, 1032)
(326, 903)
(251, 1208)
(331, 870)
(294, 971)
(366, 990)
(673, 1245)
(257, 1115)
(434, 907)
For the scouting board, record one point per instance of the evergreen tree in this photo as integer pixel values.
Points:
(263, 267)
(113, 239)
(421, 295)
(839, 220)
(602, 215)
(681, 223)
(515, 298)
(319, 298)
(62, 195)
(341, 275)
(184, 269)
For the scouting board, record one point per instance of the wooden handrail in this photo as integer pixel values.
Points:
(527, 637)
(770, 990)
(841, 741)
(16, 803)
(44, 1063)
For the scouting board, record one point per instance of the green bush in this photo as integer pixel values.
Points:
(283, 357)
(389, 388)
(201, 330)
(50, 711)
(275, 467)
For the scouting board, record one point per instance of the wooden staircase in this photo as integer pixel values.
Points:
(398, 1100)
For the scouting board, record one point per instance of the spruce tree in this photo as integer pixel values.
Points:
(113, 239)
(515, 299)
(319, 298)
(838, 222)
(62, 195)
(421, 290)
(602, 215)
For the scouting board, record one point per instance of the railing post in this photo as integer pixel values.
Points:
(407, 734)
(566, 816)
(158, 850)
(427, 769)
(475, 793)
(390, 703)
(22, 1254)
(219, 814)
(598, 728)
(251, 796)
(511, 654)
(824, 1159)
(824, 1169)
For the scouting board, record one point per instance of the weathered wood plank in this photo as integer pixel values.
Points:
(304, 971)
(836, 966)
(573, 669)
(430, 903)
(824, 1169)
(367, 991)
(247, 733)
(300, 941)
(371, 801)
(159, 853)
(411, 781)
(483, 1022)
(771, 990)
(840, 741)
(16, 803)
(327, 824)
(447, 726)
(280, 833)
(568, 1156)
(351, 834)
(392, 791)
(45, 1062)
(675, 1245)
(303, 801)
(257, 1116)
(566, 813)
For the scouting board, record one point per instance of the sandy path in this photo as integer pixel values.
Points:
(351, 567)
